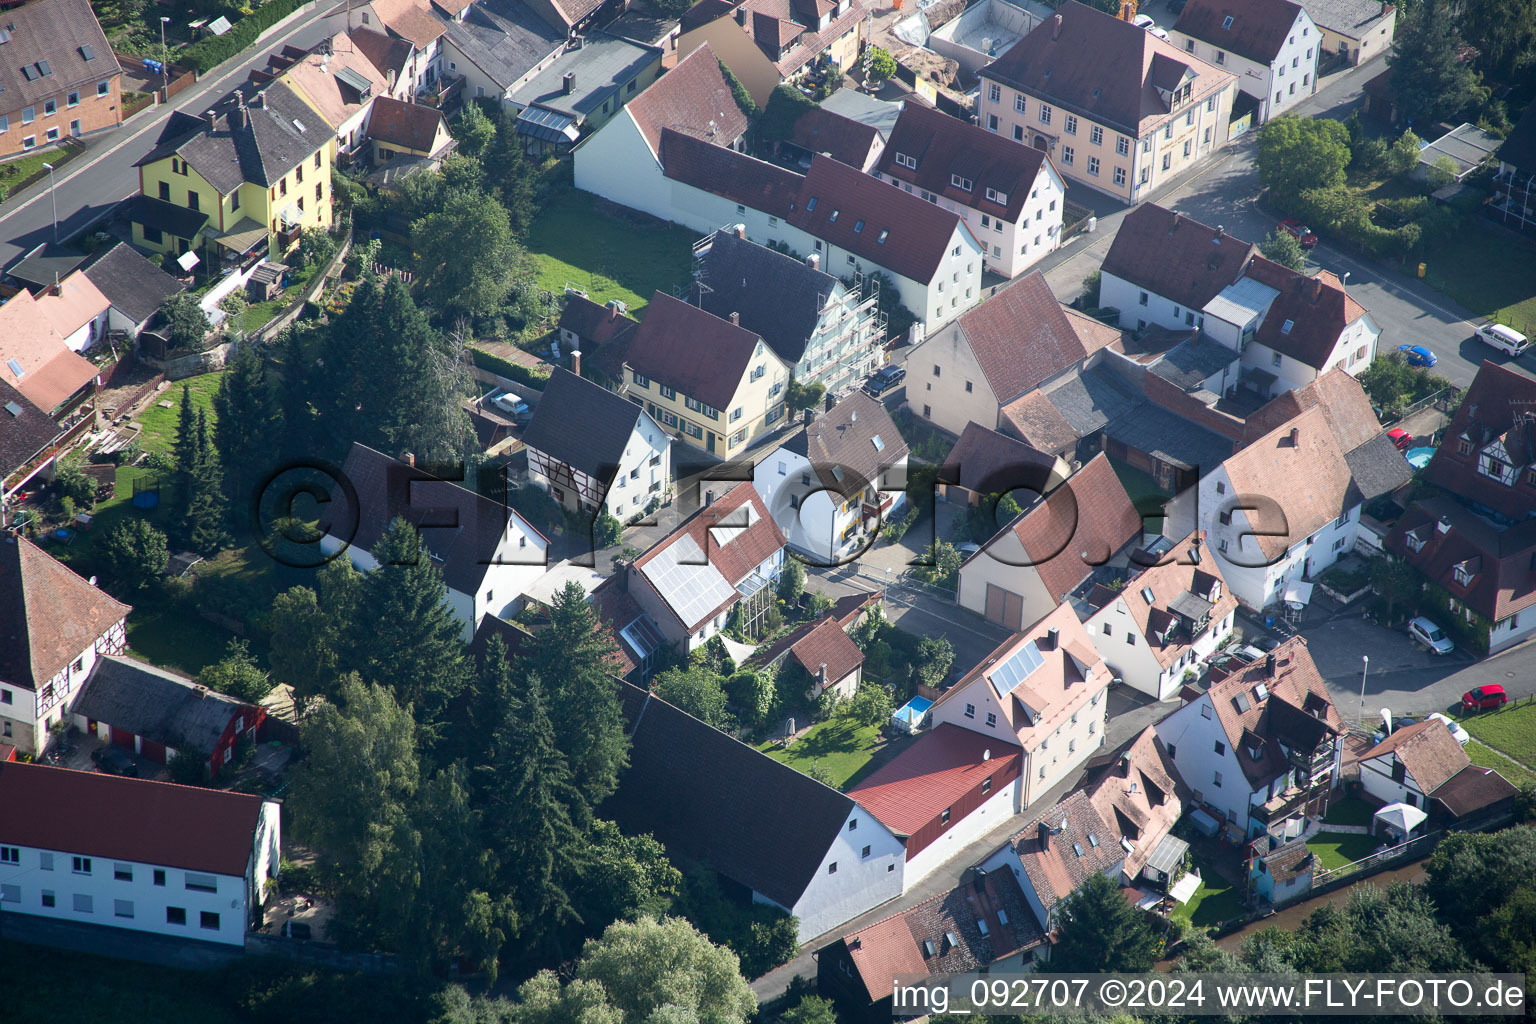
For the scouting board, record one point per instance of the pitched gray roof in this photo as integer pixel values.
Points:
(134, 286)
(583, 425)
(1190, 363)
(685, 785)
(58, 33)
(1352, 18)
(1170, 437)
(45, 264)
(1378, 467)
(1090, 399)
(257, 141)
(777, 297)
(503, 39)
(156, 704)
(851, 444)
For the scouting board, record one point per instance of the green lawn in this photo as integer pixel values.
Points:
(160, 423)
(24, 167)
(837, 745)
(606, 256)
(1511, 731)
(171, 637)
(1349, 812)
(1216, 900)
(1335, 849)
(1491, 272)
(1488, 758)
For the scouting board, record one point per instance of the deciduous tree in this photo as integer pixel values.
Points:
(134, 554)
(695, 689)
(1100, 931)
(1297, 153)
(648, 966)
(1282, 248)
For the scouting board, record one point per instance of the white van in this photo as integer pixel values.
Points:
(1505, 339)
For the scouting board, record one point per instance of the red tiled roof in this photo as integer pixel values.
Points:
(911, 790)
(1176, 575)
(692, 98)
(1171, 255)
(1033, 418)
(1296, 709)
(50, 371)
(1344, 402)
(1491, 409)
(735, 176)
(1429, 753)
(1104, 68)
(1501, 563)
(410, 19)
(1256, 29)
(594, 323)
(49, 616)
(408, 125)
(1054, 867)
(842, 138)
(128, 819)
(827, 645)
(1308, 483)
(1469, 790)
(986, 462)
(1080, 524)
(1020, 336)
(694, 352)
(1317, 309)
(895, 946)
(945, 146)
(1140, 797)
(917, 235)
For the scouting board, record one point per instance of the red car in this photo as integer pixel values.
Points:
(1481, 698)
(1401, 438)
(1299, 231)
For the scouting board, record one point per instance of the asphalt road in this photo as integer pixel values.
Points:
(1224, 192)
(90, 185)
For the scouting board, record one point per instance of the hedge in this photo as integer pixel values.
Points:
(512, 371)
(209, 53)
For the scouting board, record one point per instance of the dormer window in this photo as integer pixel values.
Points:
(1415, 543)
(907, 161)
(1463, 447)
(1463, 574)
(1000, 198)
(962, 182)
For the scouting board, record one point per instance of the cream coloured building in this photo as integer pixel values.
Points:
(1117, 108)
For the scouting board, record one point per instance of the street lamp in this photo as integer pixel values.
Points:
(1345, 279)
(1364, 670)
(165, 61)
(53, 195)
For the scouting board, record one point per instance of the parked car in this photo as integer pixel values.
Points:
(1144, 21)
(115, 761)
(1457, 732)
(514, 406)
(1299, 231)
(967, 548)
(883, 379)
(1505, 339)
(1401, 439)
(1485, 697)
(1264, 642)
(1431, 636)
(1418, 355)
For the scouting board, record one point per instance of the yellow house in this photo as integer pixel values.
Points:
(708, 380)
(244, 180)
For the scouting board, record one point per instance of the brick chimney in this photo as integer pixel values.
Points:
(576, 361)
(813, 261)
(408, 458)
(1055, 27)
(735, 318)
(1295, 437)
(740, 231)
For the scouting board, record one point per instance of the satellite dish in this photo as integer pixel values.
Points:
(986, 755)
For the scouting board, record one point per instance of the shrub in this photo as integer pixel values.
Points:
(316, 246)
(134, 553)
(234, 303)
(510, 370)
(188, 769)
(606, 530)
(207, 53)
(882, 66)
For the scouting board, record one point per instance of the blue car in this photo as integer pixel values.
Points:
(1417, 355)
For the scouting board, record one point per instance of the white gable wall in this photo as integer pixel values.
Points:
(616, 163)
(860, 882)
(1191, 734)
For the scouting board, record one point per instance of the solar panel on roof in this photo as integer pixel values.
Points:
(689, 584)
(1007, 676)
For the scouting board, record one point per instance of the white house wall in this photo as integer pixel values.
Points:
(1376, 779)
(860, 882)
(616, 163)
(145, 901)
(633, 484)
(991, 566)
(992, 814)
(1193, 732)
(1295, 65)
